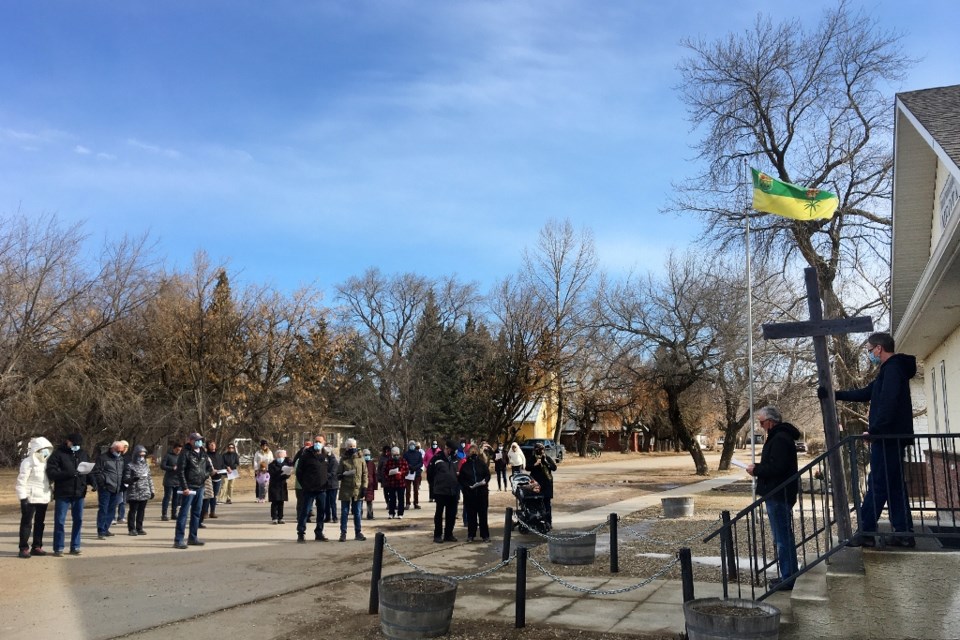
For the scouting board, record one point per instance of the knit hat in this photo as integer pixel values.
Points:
(75, 438)
(395, 451)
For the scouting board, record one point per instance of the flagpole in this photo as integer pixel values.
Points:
(753, 439)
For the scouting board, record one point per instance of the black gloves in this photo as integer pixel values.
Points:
(822, 392)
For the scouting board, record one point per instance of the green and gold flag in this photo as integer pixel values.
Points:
(790, 201)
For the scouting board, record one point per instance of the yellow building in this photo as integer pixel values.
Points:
(537, 420)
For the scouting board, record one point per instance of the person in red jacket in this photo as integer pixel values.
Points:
(395, 472)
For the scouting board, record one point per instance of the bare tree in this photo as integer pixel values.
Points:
(560, 273)
(808, 106)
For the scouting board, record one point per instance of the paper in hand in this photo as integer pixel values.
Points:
(411, 476)
(85, 467)
(737, 463)
(286, 470)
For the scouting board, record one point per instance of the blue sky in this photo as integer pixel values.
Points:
(304, 142)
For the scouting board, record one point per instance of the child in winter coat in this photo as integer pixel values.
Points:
(33, 490)
(263, 480)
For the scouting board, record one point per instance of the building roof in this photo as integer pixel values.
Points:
(925, 279)
(938, 111)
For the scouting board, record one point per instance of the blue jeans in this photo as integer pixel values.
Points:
(106, 508)
(75, 506)
(122, 506)
(331, 511)
(346, 507)
(190, 507)
(780, 515)
(885, 488)
(171, 498)
(216, 492)
(306, 505)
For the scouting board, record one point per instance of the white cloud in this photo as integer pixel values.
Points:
(151, 148)
(106, 156)
(82, 150)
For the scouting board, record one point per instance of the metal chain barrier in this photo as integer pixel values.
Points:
(604, 592)
(669, 543)
(546, 536)
(463, 578)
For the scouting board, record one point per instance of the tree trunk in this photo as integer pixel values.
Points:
(683, 433)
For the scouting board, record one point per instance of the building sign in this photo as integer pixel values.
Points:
(948, 201)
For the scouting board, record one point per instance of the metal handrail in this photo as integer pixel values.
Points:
(932, 505)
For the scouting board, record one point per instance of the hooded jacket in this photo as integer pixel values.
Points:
(353, 475)
(169, 466)
(138, 480)
(515, 456)
(891, 409)
(442, 475)
(68, 483)
(778, 461)
(33, 485)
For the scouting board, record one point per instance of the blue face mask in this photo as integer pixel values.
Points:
(75, 448)
(367, 458)
(874, 358)
(412, 447)
(198, 444)
(317, 446)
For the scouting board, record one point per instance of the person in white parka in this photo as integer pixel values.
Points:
(33, 491)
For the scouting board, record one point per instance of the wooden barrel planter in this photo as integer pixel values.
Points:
(416, 605)
(719, 619)
(572, 547)
(677, 506)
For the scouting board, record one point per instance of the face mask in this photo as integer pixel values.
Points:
(874, 358)
(435, 446)
(318, 447)
(412, 447)
(367, 458)
(351, 451)
(141, 457)
(473, 456)
(116, 454)
(75, 448)
(43, 454)
(198, 444)
(396, 457)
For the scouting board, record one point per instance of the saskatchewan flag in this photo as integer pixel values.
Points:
(790, 201)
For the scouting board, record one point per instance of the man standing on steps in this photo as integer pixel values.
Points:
(193, 468)
(891, 414)
(778, 462)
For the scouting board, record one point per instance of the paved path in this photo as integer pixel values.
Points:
(251, 580)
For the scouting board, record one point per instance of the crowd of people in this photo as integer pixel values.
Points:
(197, 477)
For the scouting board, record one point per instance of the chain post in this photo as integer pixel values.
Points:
(686, 573)
(507, 529)
(375, 573)
(521, 604)
(614, 551)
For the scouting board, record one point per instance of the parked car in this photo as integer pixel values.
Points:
(551, 448)
(801, 446)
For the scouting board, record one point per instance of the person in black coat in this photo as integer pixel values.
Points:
(541, 468)
(442, 476)
(231, 462)
(193, 469)
(277, 489)
(778, 463)
(474, 478)
(69, 490)
(891, 414)
(313, 474)
(171, 481)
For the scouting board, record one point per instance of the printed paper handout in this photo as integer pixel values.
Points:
(737, 463)
(286, 470)
(85, 467)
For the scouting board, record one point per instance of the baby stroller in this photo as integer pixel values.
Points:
(531, 512)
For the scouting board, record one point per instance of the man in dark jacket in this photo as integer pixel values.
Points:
(193, 468)
(313, 474)
(474, 477)
(171, 480)
(414, 458)
(231, 462)
(891, 414)
(108, 479)
(778, 462)
(442, 476)
(541, 468)
(69, 490)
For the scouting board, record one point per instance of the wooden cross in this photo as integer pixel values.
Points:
(818, 329)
